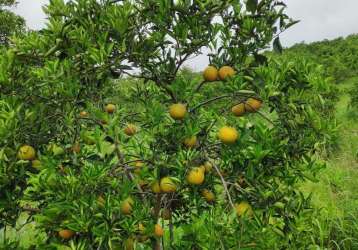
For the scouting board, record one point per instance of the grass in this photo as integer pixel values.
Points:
(336, 193)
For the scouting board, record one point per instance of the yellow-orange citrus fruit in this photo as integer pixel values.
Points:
(130, 130)
(126, 206)
(190, 142)
(76, 148)
(110, 108)
(202, 168)
(166, 214)
(177, 111)
(141, 228)
(208, 195)
(228, 135)
(129, 244)
(156, 187)
(226, 72)
(196, 176)
(26, 152)
(239, 109)
(66, 234)
(83, 114)
(143, 184)
(243, 209)
(158, 230)
(208, 167)
(167, 185)
(36, 164)
(252, 105)
(210, 74)
(138, 166)
(101, 201)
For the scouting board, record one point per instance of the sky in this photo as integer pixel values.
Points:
(320, 19)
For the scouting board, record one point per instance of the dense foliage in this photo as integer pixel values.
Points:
(91, 93)
(338, 56)
(10, 24)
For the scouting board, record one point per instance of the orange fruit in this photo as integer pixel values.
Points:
(208, 195)
(76, 148)
(196, 176)
(228, 135)
(177, 111)
(243, 209)
(208, 167)
(226, 72)
(167, 185)
(101, 201)
(83, 114)
(36, 164)
(158, 230)
(66, 234)
(130, 130)
(210, 74)
(156, 187)
(141, 228)
(252, 105)
(110, 108)
(190, 142)
(138, 166)
(26, 152)
(126, 206)
(239, 109)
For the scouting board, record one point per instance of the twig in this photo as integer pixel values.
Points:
(224, 184)
(209, 101)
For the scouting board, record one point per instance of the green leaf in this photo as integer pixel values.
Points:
(251, 5)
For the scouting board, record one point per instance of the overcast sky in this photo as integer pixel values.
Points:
(320, 19)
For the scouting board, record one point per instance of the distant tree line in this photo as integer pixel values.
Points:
(338, 56)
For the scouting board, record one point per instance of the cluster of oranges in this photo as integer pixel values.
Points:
(195, 176)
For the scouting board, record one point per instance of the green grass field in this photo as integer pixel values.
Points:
(336, 193)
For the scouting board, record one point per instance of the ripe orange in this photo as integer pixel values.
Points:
(83, 114)
(76, 148)
(110, 108)
(26, 152)
(208, 195)
(226, 72)
(158, 230)
(239, 109)
(210, 74)
(126, 206)
(101, 201)
(167, 185)
(66, 234)
(36, 164)
(208, 167)
(252, 105)
(177, 111)
(138, 166)
(156, 187)
(243, 209)
(190, 142)
(196, 176)
(130, 130)
(228, 135)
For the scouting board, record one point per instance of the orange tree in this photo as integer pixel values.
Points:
(106, 143)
